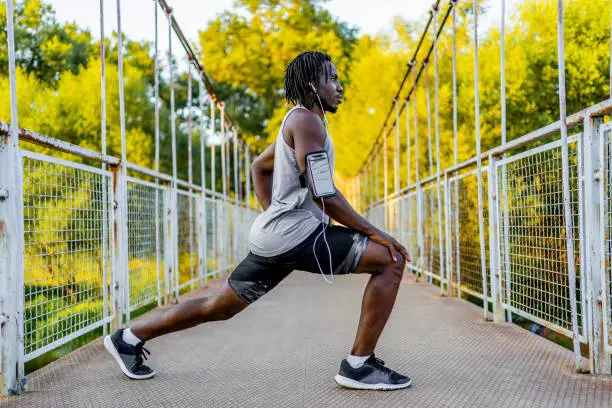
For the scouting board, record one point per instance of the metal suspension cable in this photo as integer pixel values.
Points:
(504, 190)
(192, 56)
(567, 209)
(483, 261)
(437, 133)
(377, 143)
(455, 153)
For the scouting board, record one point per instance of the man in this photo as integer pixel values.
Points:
(287, 237)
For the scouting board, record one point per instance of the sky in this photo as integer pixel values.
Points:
(370, 17)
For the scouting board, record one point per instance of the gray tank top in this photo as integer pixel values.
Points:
(292, 215)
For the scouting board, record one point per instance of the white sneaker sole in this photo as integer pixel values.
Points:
(348, 383)
(108, 344)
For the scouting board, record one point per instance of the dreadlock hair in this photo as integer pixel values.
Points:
(306, 68)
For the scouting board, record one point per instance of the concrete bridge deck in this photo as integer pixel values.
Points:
(284, 351)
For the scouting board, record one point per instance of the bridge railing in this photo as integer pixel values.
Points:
(73, 280)
(87, 239)
(523, 271)
(526, 226)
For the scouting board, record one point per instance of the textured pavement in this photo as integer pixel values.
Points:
(284, 350)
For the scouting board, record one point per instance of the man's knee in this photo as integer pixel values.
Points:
(395, 269)
(226, 314)
(215, 309)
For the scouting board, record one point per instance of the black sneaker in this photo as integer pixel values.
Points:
(129, 357)
(372, 375)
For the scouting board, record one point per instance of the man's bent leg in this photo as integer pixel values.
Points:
(361, 369)
(379, 295)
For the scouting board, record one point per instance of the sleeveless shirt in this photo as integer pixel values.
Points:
(293, 215)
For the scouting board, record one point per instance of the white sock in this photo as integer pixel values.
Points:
(130, 338)
(356, 361)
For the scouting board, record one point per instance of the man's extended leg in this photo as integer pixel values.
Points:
(126, 346)
(223, 305)
(252, 278)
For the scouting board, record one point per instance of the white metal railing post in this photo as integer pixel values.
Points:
(174, 271)
(239, 198)
(228, 206)
(119, 272)
(408, 177)
(11, 238)
(494, 264)
(223, 230)
(504, 189)
(203, 241)
(437, 131)
(357, 193)
(371, 187)
(569, 228)
(122, 279)
(190, 171)
(361, 199)
(396, 169)
(236, 210)
(157, 192)
(213, 186)
(377, 178)
(420, 237)
(455, 159)
(199, 235)
(483, 261)
(386, 180)
(247, 165)
(584, 273)
(105, 224)
(447, 235)
(168, 230)
(430, 160)
(595, 268)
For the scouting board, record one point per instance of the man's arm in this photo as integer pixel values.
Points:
(261, 171)
(309, 136)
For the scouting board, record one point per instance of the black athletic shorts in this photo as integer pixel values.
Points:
(257, 275)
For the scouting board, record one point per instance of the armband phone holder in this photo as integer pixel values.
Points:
(318, 175)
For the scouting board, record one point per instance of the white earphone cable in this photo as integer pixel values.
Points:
(331, 271)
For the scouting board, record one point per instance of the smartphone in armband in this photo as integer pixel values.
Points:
(318, 176)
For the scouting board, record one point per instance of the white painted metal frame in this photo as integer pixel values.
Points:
(606, 215)
(11, 236)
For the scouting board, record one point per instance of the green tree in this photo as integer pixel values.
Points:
(248, 49)
(44, 47)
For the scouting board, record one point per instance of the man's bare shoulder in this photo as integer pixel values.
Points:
(303, 123)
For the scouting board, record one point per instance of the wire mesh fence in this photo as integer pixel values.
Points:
(535, 253)
(69, 245)
(409, 226)
(211, 243)
(187, 203)
(465, 234)
(67, 217)
(376, 216)
(432, 216)
(146, 203)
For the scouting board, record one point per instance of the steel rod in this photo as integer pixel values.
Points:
(567, 209)
(483, 261)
